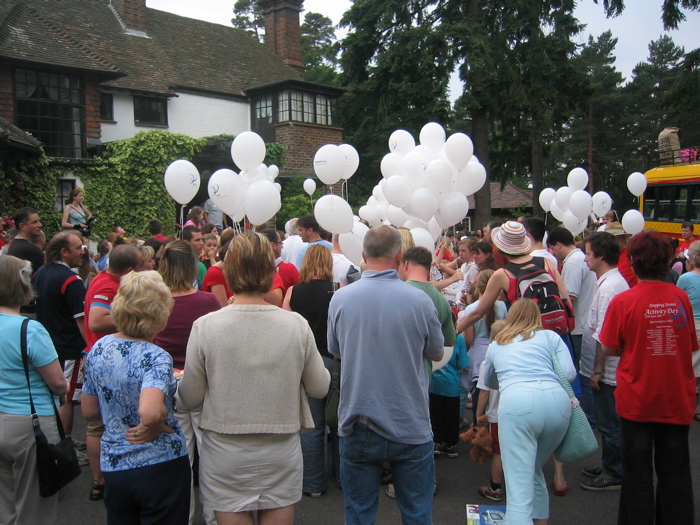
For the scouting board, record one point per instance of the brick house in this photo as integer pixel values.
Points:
(77, 74)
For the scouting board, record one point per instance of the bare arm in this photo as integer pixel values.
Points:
(456, 276)
(91, 406)
(64, 217)
(274, 297)
(54, 378)
(612, 352)
(288, 299)
(482, 402)
(469, 335)
(220, 293)
(80, 321)
(599, 366)
(101, 320)
(563, 292)
(152, 412)
(498, 282)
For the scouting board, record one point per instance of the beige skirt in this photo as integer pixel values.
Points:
(246, 472)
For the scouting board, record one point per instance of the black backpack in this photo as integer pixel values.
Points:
(534, 282)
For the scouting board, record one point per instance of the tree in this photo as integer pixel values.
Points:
(249, 17)
(319, 49)
(671, 13)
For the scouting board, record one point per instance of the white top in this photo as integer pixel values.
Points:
(491, 411)
(608, 286)
(544, 253)
(290, 248)
(580, 283)
(341, 265)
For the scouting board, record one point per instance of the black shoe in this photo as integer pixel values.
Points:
(592, 472)
(601, 483)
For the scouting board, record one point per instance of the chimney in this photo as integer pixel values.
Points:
(282, 32)
(132, 14)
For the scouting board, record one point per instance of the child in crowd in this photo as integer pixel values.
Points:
(444, 400)
(211, 247)
(488, 404)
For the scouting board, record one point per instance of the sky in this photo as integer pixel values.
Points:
(639, 24)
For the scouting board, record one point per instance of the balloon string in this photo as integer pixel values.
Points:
(182, 216)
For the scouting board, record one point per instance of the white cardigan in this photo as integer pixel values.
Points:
(250, 368)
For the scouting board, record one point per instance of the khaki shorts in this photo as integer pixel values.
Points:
(95, 428)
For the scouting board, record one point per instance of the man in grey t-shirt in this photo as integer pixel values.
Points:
(384, 330)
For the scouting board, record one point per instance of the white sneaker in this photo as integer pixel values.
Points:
(82, 458)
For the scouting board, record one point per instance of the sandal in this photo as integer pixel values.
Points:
(97, 491)
(697, 417)
(558, 492)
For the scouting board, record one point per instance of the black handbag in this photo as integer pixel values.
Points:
(57, 465)
(333, 397)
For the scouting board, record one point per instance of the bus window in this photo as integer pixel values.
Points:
(665, 194)
(680, 203)
(650, 202)
(695, 203)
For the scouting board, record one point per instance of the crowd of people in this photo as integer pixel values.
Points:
(219, 344)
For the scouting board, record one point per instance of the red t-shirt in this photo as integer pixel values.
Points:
(685, 245)
(100, 292)
(161, 238)
(213, 277)
(625, 269)
(652, 325)
(286, 275)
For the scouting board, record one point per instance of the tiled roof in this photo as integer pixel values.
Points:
(510, 197)
(180, 53)
(16, 137)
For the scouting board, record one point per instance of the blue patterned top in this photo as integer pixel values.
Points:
(116, 371)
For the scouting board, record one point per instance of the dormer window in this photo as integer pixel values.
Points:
(304, 106)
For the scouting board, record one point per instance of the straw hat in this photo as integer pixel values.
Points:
(511, 239)
(615, 228)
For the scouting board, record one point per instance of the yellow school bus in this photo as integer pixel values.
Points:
(672, 197)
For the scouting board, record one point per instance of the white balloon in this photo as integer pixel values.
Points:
(422, 237)
(262, 201)
(439, 174)
(249, 177)
(573, 223)
(434, 229)
(378, 193)
(562, 197)
(415, 166)
(577, 179)
(397, 191)
(453, 207)
(369, 213)
(273, 171)
(601, 203)
(633, 222)
(351, 243)
(227, 190)
(459, 149)
(637, 183)
(401, 142)
(446, 356)
(415, 223)
(329, 163)
(471, 179)
(352, 160)
(546, 198)
(310, 186)
(278, 187)
(432, 135)
(182, 180)
(248, 150)
(334, 214)
(397, 216)
(382, 208)
(580, 204)
(556, 211)
(392, 164)
(424, 203)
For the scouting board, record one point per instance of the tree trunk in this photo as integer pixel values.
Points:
(480, 137)
(590, 147)
(537, 159)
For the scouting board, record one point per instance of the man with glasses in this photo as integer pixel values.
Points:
(60, 308)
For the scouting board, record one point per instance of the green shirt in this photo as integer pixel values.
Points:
(443, 310)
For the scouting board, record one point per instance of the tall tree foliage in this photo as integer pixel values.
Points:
(671, 12)
(249, 17)
(319, 49)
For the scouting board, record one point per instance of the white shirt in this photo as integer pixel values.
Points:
(608, 286)
(580, 283)
(290, 248)
(544, 253)
(341, 265)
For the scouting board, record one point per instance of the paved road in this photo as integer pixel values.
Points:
(458, 482)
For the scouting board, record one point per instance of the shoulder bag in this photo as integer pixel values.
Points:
(333, 397)
(579, 441)
(57, 465)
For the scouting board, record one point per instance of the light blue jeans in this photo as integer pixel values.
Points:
(532, 420)
(412, 466)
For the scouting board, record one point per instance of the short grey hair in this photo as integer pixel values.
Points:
(291, 227)
(382, 242)
(694, 254)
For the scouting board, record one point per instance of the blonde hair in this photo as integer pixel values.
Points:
(694, 254)
(482, 280)
(249, 265)
(142, 304)
(15, 281)
(523, 320)
(497, 328)
(317, 264)
(407, 241)
(178, 266)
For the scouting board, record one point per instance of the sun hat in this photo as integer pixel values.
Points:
(615, 228)
(511, 239)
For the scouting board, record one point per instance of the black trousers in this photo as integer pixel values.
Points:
(660, 447)
(444, 417)
(154, 494)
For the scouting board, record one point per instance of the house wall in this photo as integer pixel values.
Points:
(304, 140)
(193, 115)
(7, 105)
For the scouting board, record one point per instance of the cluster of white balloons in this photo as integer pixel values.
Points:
(425, 187)
(572, 204)
(251, 192)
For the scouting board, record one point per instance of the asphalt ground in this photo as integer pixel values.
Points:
(458, 482)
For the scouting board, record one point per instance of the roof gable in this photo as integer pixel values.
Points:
(509, 197)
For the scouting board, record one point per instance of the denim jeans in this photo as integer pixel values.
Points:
(412, 466)
(661, 448)
(312, 441)
(609, 427)
(588, 401)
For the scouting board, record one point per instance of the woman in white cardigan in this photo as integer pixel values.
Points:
(250, 367)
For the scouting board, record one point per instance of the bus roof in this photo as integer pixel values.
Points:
(679, 173)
